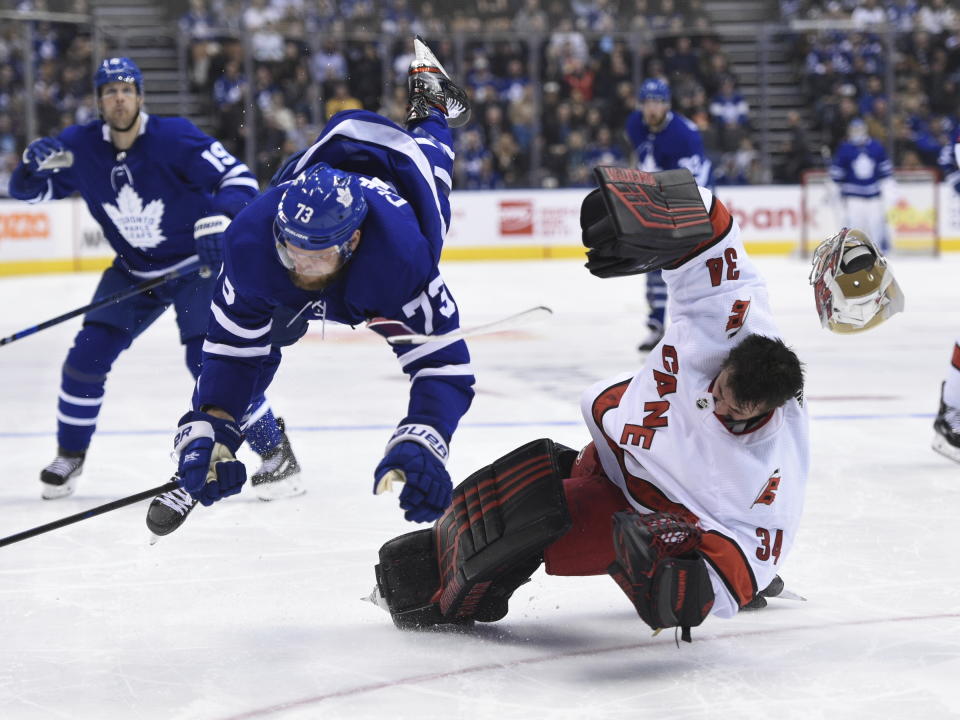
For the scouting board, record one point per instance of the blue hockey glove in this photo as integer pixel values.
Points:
(208, 235)
(205, 447)
(417, 454)
(46, 155)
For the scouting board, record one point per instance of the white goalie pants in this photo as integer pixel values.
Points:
(869, 215)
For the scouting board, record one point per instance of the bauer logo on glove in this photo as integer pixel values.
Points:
(853, 284)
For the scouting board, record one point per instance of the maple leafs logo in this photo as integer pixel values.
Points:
(344, 197)
(139, 225)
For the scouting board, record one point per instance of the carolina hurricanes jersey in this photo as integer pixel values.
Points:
(660, 441)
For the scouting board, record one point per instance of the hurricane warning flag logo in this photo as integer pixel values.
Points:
(769, 492)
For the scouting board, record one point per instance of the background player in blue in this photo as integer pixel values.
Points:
(351, 232)
(864, 181)
(664, 140)
(163, 193)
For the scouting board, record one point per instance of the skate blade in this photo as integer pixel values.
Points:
(946, 449)
(289, 487)
(423, 55)
(153, 539)
(53, 492)
(376, 598)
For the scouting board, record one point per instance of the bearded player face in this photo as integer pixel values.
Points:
(119, 104)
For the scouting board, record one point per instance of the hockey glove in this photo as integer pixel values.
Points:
(419, 463)
(636, 221)
(45, 156)
(658, 567)
(208, 235)
(205, 448)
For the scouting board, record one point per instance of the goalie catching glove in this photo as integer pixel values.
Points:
(660, 570)
(636, 221)
(205, 449)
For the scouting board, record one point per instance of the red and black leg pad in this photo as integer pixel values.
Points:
(657, 565)
(487, 544)
(635, 221)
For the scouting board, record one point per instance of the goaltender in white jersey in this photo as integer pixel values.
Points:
(662, 441)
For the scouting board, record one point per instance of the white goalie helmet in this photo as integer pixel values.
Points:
(853, 284)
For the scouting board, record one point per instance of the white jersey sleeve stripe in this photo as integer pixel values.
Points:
(443, 176)
(231, 351)
(426, 349)
(436, 143)
(239, 169)
(245, 181)
(381, 135)
(444, 370)
(235, 329)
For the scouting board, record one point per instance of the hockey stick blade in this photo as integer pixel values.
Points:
(510, 322)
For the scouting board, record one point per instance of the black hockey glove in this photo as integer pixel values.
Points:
(636, 221)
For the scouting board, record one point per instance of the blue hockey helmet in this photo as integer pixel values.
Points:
(320, 209)
(655, 89)
(118, 69)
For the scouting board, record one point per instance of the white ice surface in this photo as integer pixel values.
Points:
(253, 610)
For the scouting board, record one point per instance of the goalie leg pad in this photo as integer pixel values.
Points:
(486, 545)
(492, 537)
(657, 566)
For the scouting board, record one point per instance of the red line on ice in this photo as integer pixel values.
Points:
(473, 669)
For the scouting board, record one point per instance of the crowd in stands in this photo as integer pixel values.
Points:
(551, 81)
(845, 73)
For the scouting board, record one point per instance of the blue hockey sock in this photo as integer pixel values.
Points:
(82, 383)
(263, 435)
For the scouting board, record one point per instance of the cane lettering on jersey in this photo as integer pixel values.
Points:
(642, 435)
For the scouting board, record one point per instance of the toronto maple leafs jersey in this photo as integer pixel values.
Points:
(677, 145)
(859, 168)
(392, 275)
(147, 198)
(659, 440)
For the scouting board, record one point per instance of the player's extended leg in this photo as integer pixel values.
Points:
(486, 545)
(946, 439)
(82, 383)
(657, 302)
(106, 333)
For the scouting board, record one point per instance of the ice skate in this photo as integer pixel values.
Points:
(653, 337)
(946, 439)
(279, 474)
(59, 478)
(430, 86)
(168, 511)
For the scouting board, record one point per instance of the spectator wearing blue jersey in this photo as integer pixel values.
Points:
(663, 140)
(350, 231)
(163, 193)
(863, 184)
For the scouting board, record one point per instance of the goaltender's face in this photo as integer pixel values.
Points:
(726, 405)
(654, 112)
(119, 103)
(316, 269)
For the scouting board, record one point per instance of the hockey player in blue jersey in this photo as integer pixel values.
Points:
(664, 140)
(864, 187)
(163, 192)
(350, 232)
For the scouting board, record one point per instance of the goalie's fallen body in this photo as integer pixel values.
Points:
(691, 492)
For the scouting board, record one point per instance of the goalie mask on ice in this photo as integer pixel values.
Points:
(853, 285)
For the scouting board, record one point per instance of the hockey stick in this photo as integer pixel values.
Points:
(115, 298)
(405, 337)
(99, 510)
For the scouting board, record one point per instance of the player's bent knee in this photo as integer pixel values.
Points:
(487, 544)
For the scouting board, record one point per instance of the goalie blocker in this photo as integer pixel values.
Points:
(635, 221)
(542, 503)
